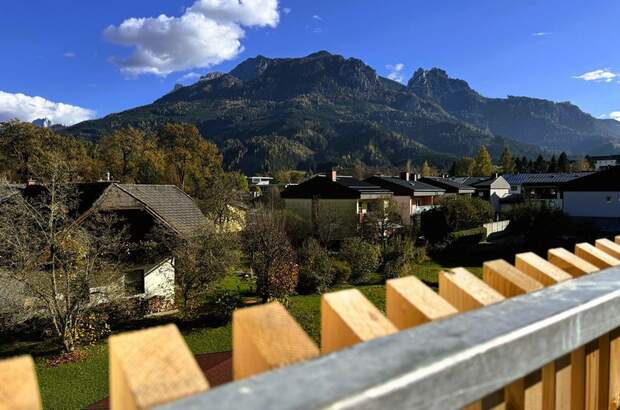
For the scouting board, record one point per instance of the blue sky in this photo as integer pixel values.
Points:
(64, 52)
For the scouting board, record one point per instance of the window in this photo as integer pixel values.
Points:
(134, 282)
(608, 199)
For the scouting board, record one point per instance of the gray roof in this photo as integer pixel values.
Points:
(447, 184)
(545, 178)
(412, 185)
(169, 203)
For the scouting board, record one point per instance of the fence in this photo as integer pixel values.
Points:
(496, 227)
(539, 334)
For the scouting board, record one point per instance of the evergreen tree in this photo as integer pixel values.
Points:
(507, 162)
(553, 164)
(540, 165)
(563, 163)
(484, 164)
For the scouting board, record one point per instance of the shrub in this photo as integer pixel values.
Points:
(399, 256)
(464, 212)
(474, 235)
(363, 257)
(341, 270)
(315, 271)
(221, 303)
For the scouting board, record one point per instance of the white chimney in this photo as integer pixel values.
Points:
(333, 175)
(405, 176)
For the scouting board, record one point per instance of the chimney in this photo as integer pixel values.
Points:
(107, 176)
(31, 182)
(415, 177)
(405, 176)
(333, 175)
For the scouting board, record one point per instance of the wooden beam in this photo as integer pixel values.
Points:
(608, 247)
(617, 239)
(508, 280)
(347, 318)
(151, 367)
(614, 370)
(18, 384)
(526, 393)
(267, 337)
(595, 256)
(570, 263)
(465, 291)
(541, 270)
(409, 302)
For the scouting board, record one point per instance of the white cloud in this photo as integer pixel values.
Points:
(598, 75)
(189, 78)
(207, 33)
(541, 34)
(317, 17)
(70, 54)
(396, 72)
(27, 108)
(615, 115)
(286, 10)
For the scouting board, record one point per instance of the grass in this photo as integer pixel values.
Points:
(76, 385)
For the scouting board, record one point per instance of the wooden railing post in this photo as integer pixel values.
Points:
(151, 367)
(18, 384)
(267, 337)
(409, 303)
(347, 318)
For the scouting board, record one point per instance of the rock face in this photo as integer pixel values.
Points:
(325, 109)
(553, 126)
(42, 123)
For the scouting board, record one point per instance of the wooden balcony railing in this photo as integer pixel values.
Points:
(539, 334)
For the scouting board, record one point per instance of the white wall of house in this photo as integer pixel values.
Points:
(592, 204)
(159, 280)
(604, 163)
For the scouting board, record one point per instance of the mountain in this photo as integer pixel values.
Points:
(312, 112)
(553, 126)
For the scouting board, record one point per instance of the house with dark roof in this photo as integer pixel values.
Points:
(595, 198)
(605, 161)
(333, 201)
(450, 186)
(141, 208)
(493, 190)
(410, 195)
(542, 189)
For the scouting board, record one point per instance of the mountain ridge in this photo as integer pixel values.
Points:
(323, 109)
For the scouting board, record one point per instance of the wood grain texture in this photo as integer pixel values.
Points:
(508, 280)
(595, 256)
(609, 247)
(465, 291)
(347, 318)
(409, 302)
(19, 388)
(539, 269)
(151, 367)
(267, 337)
(570, 263)
(614, 369)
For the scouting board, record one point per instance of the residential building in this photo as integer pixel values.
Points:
(141, 207)
(410, 195)
(605, 161)
(335, 201)
(450, 186)
(542, 189)
(595, 198)
(493, 190)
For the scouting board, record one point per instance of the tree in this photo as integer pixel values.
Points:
(271, 256)
(201, 259)
(540, 165)
(464, 167)
(362, 256)
(553, 164)
(192, 161)
(222, 198)
(507, 162)
(54, 259)
(581, 165)
(426, 170)
(315, 272)
(464, 212)
(484, 164)
(563, 163)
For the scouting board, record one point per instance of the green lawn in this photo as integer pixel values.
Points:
(75, 385)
